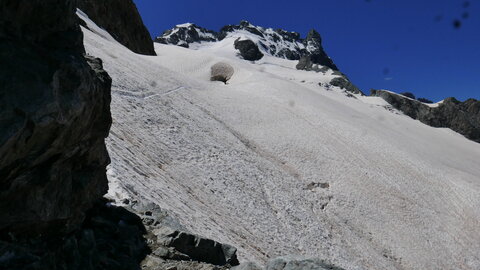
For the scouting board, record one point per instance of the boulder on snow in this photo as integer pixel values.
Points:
(248, 49)
(221, 72)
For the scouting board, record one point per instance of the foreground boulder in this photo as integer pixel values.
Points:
(188, 246)
(248, 50)
(221, 72)
(121, 19)
(54, 117)
(462, 117)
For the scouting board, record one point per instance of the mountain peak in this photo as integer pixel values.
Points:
(275, 42)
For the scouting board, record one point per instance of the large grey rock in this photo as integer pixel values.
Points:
(54, 116)
(121, 19)
(198, 248)
(462, 117)
(248, 50)
(299, 263)
(221, 72)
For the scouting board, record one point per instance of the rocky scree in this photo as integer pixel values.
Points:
(121, 19)
(462, 117)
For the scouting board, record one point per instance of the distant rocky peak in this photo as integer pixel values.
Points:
(185, 34)
(275, 42)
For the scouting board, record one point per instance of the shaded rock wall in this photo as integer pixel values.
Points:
(462, 117)
(121, 19)
(54, 116)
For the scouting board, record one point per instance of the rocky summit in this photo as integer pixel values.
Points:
(275, 42)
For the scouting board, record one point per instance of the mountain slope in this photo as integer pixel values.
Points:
(274, 164)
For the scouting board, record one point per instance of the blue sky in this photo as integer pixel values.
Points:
(401, 45)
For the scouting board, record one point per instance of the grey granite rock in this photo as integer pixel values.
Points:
(121, 19)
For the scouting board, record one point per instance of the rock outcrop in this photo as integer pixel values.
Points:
(248, 49)
(185, 34)
(54, 117)
(462, 117)
(344, 83)
(275, 42)
(221, 72)
(121, 19)
(178, 245)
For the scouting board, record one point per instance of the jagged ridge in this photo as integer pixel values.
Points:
(275, 42)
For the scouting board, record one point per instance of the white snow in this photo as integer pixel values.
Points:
(233, 162)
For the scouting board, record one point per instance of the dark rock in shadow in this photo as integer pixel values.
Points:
(54, 117)
(121, 19)
(110, 238)
(248, 49)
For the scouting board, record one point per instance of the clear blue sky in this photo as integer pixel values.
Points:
(401, 45)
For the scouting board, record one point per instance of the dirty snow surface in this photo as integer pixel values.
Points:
(275, 164)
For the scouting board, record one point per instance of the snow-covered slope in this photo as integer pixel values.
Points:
(274, 164)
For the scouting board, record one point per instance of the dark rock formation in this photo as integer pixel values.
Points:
(425, 100)
(344, 83)
(408, 94)
(313, 44)
(121, 19)
(111, 238)
(462, 117)
(184, 35)
(248, 50)
(188, 246)
(54, 116)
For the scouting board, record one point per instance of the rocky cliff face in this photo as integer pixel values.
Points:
(121, 19)
(278, 42)
(462, 117)
(54, 116)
